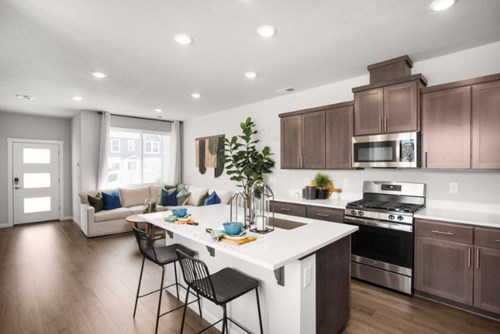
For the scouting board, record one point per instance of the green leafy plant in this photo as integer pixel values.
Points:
(246, 164)
(321, 180)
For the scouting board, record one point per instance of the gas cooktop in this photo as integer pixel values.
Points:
(367, 204)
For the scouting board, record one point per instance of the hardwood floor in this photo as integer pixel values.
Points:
(54, 280)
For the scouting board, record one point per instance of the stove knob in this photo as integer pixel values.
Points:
(400, 218)
(353, 212)
(360, 213)
(391, 217)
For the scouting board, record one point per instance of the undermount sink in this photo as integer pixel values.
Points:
(284, 224)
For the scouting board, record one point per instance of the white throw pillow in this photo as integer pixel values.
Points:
(224, 195)
(196, 194)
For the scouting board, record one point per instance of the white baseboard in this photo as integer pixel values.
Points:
(66, 218)
(5, 225)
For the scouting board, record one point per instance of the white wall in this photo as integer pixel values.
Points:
(34, 127)
(477, 190)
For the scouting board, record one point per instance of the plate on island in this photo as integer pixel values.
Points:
(235, 237)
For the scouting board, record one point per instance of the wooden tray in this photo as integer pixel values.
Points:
(238, 242)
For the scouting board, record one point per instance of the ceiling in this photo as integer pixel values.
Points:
(49, 48)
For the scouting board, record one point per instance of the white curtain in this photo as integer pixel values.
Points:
(102, 171)
(174, 176)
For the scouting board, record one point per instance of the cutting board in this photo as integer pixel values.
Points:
(238, 242)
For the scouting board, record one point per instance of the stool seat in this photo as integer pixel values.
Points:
(167, 254)
(229, 284)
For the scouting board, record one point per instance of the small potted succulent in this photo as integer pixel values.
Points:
(321, 181)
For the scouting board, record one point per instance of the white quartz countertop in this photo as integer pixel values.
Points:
(271, 250)
(460, 217)
(328, 203)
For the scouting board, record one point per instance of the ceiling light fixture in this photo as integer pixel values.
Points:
(266, 31)
(24, 97)
(183, 39)
(439, 5)
(77, 98)
(99, 75)
(158, 110)
(251, 75)
(195, 95)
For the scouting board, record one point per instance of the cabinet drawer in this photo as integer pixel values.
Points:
(330, 214)
(487, 237)
(288, 208)
(444, 231)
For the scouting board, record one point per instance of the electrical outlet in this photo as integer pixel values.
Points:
(453, 188)
(345, 183)
(307, 276)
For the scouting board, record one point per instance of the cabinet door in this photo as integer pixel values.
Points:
(486, 278)
(291, 141)
(446, 128)
(401, 107)
(486, 125)
(368, 112)
(313, 140)
(288, 208)
(339, 137)
(444, 269)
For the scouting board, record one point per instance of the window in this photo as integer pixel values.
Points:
(131, 145)
(146, 162)
(115, 145)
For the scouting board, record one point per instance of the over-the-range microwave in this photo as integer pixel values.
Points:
(394, 150)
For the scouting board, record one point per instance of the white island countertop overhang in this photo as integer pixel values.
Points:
(272, 250)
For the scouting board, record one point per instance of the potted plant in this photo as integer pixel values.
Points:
(245, 163)
(321, 181)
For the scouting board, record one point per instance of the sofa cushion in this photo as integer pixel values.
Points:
(83, 195)
(154, 192)
(111, 200)
(96, 201)
(134, 196)
(224, 195)
(115, 214)
(168, 197)
(212, 199)
(197, 195)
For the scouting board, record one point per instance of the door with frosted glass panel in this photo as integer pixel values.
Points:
(35, 182)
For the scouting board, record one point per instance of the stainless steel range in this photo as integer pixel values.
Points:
(382, 248)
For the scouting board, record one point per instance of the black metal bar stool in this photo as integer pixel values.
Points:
(155, 251)
(220, 288)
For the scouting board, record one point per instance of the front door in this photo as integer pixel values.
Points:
(35, 182)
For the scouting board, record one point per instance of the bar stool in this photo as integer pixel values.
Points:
(155, 251)
(220, 288)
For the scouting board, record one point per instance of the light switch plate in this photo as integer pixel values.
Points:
(307, 276)
(453, 188)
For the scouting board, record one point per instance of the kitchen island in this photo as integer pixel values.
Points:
(304, 272)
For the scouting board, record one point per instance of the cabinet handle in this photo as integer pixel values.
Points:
(380, 124)
(322, 215)
(497, 240)
(285, 209)
(445, 233)
(469, 258)
(477, 258)
(425, 159)
(385, 123)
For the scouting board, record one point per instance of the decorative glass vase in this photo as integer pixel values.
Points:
(149, 205)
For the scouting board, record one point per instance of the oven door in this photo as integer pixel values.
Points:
(390, 243)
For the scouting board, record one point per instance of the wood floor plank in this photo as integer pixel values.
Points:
(55, 280)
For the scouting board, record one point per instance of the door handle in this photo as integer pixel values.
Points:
(380, 124)
(17, 188)
(385, 123)
(477, 258)
(469, 258)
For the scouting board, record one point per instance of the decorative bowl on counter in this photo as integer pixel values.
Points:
(180, 212)
(233, 228)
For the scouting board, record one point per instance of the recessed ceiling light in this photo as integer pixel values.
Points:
(266, 31)
(251, 75)
(183, 39)
(195, 95)
(439, 5)
(25, 97)
(158, 110)
(99, 75)
(77, 98)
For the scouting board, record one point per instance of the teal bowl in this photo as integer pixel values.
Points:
(233, 228)
(181, 212)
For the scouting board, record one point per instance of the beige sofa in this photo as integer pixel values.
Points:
(114, 221)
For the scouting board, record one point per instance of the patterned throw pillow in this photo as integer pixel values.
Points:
(212, 199)
(168, 197)
(182, 197)
(96, 201)
(111, 201)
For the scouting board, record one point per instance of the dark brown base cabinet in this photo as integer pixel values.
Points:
(458, 263)
(309, 211)
(457, 114)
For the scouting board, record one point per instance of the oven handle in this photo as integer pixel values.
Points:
(390, 226)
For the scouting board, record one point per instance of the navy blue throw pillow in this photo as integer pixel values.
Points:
(111, 201)
(168, 197)
(212, 199)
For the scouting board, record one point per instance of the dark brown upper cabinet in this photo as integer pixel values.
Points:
(317, 138)
(460, 123)
(387, 109)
